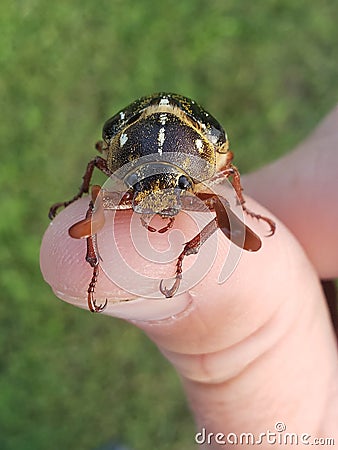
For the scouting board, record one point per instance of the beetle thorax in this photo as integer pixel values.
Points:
(164, 134)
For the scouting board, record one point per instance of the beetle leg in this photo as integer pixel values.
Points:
(190, 248)
(225, 220)
(97, 162)
(232, 171)
(92, 257)
(92, 305)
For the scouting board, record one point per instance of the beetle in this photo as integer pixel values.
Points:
(185, 149)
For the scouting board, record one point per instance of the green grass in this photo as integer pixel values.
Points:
(266, 69)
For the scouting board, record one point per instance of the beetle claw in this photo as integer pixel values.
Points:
(168, 293)
(272, 226)
(53, 210)
(270, 222)
(93, 306)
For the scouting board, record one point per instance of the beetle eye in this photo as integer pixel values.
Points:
(183, 182)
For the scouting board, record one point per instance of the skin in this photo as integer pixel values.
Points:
(260, 348)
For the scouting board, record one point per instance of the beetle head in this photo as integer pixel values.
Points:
(157, 188)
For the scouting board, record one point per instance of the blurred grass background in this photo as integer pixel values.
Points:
(266, 69)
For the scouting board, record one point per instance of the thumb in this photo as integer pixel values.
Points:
(232, 343)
